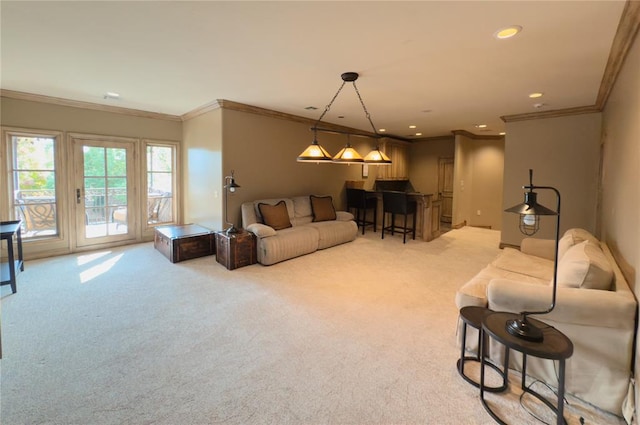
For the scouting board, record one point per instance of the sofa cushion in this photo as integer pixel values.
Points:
(573, 237)
(515, 261)
(474, 292)
(302, 207)
(584, 265)
(334, 232)
(322, 207)
(275, 216)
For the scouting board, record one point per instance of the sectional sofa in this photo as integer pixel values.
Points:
(595, 308)
(290, 227)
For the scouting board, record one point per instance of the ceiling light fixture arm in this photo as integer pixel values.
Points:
(366, 113)
(326, 108)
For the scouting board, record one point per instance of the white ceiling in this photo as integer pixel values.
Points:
(412, 57)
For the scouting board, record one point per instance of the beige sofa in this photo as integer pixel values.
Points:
(306, 230)
(595, 308)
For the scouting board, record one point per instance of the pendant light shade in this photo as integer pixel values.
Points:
(348, 155)
(314, 153)
(377, 157)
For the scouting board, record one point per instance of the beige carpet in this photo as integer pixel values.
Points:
(362, 333)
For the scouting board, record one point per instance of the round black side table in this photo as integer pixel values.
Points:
(554, 346)
(472, 316)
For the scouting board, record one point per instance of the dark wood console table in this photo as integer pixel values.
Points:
(10, 269)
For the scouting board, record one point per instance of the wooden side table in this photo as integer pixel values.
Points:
(234, 250)
(554, 346)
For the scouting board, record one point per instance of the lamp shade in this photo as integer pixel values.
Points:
(530, 206)
(348, 155)
(377, 157)
(314, 153)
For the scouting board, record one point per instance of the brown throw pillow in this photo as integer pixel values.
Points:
(275, 216)
(322, 207)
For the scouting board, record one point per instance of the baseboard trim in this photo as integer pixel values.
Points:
(509, 245)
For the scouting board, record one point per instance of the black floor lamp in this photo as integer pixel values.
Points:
(229, 186)
(529, 212)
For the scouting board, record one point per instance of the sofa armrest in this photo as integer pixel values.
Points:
(261, 230)
(544, 248)
(578, 306)
(344, 216)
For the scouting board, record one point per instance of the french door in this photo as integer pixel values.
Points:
(103, 194)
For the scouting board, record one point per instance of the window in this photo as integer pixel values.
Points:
(161, 181)
(33, 177)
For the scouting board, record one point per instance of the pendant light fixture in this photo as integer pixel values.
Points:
(348, 155)
(314, 152)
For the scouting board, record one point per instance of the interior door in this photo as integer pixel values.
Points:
(103, 194)
(445, 188)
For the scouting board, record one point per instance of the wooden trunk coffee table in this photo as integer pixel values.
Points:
(179, 243)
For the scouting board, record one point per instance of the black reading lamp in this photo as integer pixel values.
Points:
(229, 186)
(530, 211)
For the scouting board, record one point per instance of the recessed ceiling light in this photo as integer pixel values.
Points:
(382, 130)
(507, 32)
(111, 95)
(418, 134)
(481, 126)
(536, 95)
(502, 133)
(412, 126)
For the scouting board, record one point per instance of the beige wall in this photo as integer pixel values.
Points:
(478, 181)
(423, 162)
(202, 170)
(47, 116)
(564, 153)
(620, 214)
(31, 115)
(263, 150)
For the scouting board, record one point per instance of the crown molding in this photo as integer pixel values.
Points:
(11, 94)
(551, 114)
(475, 136)
(626, 33)
(448, 138)
(242, 107)
(622, 42)
(211, 106)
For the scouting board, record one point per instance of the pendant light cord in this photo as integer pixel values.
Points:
(367, 114)
(326, 109)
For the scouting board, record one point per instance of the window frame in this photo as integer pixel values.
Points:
(7, 183)
(175, 179)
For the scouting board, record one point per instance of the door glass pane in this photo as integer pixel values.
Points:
(34, 183)
(105, 197)
(160, 182)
